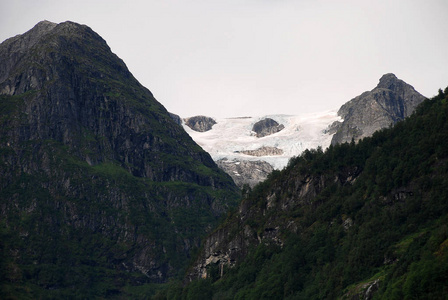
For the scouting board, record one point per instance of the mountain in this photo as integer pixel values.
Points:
(390, 101)
(249, 156)
(100, 189)
(243, 141)
(358, 221)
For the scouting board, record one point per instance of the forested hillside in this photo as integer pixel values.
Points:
(354, 222)
(101, 191)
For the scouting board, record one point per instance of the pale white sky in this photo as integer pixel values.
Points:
(253, 57)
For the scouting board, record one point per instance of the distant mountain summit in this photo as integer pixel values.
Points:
(99, 187)
(249, 148)
(362, 220)
(390, 101)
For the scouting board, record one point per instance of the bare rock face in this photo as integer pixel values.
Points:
(266, 127)
(200, 123)
(390, 101)
(246, 171)
(263, 151)
(176, 119)
(227, 246)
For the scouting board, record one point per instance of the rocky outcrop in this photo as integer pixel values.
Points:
(95, 164)
(200, 123)
(266, 127)
(328, 213)
(222, 255)
(363, 291)
(176, 119)
(263, 151)
(246, 171)
(333, 128)
(390, 101)
(229, 244)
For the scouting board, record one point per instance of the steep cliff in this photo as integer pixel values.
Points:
(261, 217)
(245, 172)
(96, 178)
(177, 119)
(390, 101)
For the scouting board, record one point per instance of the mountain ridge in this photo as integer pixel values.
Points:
(390, 101)
(357, 221)
(95, 175)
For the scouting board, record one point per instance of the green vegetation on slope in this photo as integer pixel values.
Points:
(101, 193)
(57, 245)
(384, 232)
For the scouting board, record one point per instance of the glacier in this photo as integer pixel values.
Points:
(231, 135)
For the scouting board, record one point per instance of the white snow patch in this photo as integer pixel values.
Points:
(234, 134)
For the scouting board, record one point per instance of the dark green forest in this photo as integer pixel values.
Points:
(383, 232)
(104, 196)
(386, 231)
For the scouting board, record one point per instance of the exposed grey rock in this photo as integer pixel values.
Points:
(235, 237)
(371, 289)
(364, 291)
(246, 171)
(333, 127)
(263, 151)
(390, 101)
(347, 223)
(176, 119)
(13, 49)
(266, 127)
(223, 255)
(200, 123)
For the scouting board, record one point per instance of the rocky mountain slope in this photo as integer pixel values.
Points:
(245, 172)
(244, 141)
(354, 222)
(390, 101)
(99, 187)
(280, 137)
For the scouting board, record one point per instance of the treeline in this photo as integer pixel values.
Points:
(386, 230)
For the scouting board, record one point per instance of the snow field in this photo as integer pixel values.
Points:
(230, 135)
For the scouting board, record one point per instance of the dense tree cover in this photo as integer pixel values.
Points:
(386, 231)
(60, 261)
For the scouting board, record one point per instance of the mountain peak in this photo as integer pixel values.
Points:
(390, 101)
(388, 76)
(46, 23)
(389, 81)
(40, 28)
(24, 41)
(21, 43)
(67, 39)
(100, 136)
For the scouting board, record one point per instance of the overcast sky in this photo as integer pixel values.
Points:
(255, 57)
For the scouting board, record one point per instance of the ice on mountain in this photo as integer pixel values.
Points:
(235, 134)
